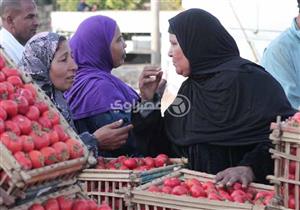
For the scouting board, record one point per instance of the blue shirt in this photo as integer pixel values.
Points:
(282, 60)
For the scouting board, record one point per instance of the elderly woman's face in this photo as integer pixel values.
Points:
(63, 68)
(181, 63)
(117, 48)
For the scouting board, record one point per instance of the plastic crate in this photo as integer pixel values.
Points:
(114, 186)
(143, 199)
(286, 139)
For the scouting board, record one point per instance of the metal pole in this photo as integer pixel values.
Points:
(155, 34)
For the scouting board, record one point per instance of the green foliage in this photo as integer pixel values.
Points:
(71, 5)
(170, 4)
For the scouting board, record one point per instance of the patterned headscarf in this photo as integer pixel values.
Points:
(36, 61)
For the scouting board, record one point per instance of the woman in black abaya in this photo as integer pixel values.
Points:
(232, 102)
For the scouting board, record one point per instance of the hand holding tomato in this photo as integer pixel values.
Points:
(229, 176)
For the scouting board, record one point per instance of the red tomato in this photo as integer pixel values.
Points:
(12, 126)
(75, 148)
(53, 136)
(36, 158)
(22, 103)
(11, 141)
(36, 207)
(81, 205)
(62, 152)
(23, 122)
(3, 91)
(197, 191)
(15, 81)
(179, 190)
(208, 185)
(40, 139)
(27, 142)
(45, 122)
(214, 196)
(3, 114)
(131, 163)
(42, 106)
(53, 116)
(61, 132)
(23, 160)
(193, 181)
(154, 188)
(225, 195)
(123, 167)
(49, 155)
(296, 117)
(172, 182)
(166, 189)
(149, 162)
(92, 204)
(31, 88)
(10, 72)
(237, 186)
(10, 106)
(10, 88)
(161, 160)
(33, 113)
(65, 203)
(292, 204)
(104, 206)
(51, 204)
(26, 94)
(2, 76)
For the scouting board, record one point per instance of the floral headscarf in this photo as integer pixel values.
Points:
(36, 61)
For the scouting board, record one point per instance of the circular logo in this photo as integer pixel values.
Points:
(180, 107)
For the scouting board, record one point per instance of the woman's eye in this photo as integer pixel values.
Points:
(63, 59)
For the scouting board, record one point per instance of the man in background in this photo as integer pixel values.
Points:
(83, 6)
(19, 24)
(282, 60)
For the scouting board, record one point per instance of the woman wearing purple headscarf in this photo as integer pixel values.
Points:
(98, 97)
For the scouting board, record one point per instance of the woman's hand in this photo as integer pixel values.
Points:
(149, 81)
(229, 176)
(112, 136)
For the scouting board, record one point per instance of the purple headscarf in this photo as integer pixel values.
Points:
(95, 89)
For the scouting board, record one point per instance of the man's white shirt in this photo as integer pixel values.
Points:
(11, 46)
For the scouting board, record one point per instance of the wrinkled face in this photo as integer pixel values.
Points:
(24, 22)
(117, 48)
(181, 63)
(63, 68)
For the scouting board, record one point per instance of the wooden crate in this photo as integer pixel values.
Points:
(143, 199)
(286, 139)
(23, 180)
(114, 186)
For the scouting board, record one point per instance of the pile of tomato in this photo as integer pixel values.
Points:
(29, 129)
(194, 188)
(65, 203)
(133, 163)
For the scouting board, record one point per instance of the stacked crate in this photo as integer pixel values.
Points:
(115, 186)
(17, 183)
(286, 154)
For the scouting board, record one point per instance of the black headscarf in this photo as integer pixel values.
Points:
(232, 100)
